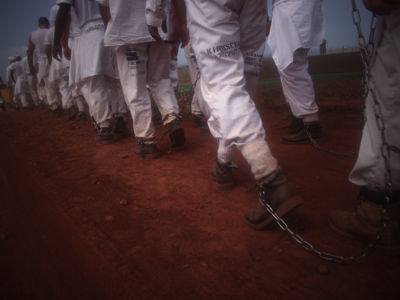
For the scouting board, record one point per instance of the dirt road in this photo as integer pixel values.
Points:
(64, 234)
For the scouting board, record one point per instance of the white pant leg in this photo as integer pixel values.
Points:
(116, 96)
(25, 100)
(198, 106)
(216, 29)
(159, 82)
(95, 91)
(52, 94)
(369, 169)
(80, 103)
(66, 93)
(32, 82)
(298, 87)
(132, 68)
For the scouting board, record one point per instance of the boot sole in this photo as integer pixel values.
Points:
(148, 156)
(288, 206)
(360, 238)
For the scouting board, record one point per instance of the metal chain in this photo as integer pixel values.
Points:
(310, 247)
(366, 53)
(317, 146)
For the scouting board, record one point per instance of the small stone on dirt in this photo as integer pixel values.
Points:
(109, 218)
(123, 202)
(323, 269)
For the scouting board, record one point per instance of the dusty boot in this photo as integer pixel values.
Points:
(81, 116)
(280, 195)
(104, 135)
(176, 133)
(146, 150)
(72, 113)
(197, 121)
(222, 174)
(367, 220)
(295, 125)
(120, 128)
(309, 130)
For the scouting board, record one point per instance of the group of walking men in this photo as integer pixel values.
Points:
(118, 60)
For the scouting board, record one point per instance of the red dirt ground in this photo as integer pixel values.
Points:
(64, 234)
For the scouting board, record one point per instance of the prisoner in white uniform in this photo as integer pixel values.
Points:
(17, 75)
(22, 91)
(297, 26)
(379, 197)
(38, 63)
(93, 66)
(142, 61)
(228, 37)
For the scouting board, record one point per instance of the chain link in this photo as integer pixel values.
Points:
(366, 51)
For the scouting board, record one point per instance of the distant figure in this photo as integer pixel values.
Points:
(37, 59)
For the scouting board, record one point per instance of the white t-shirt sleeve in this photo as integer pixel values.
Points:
(155, 12)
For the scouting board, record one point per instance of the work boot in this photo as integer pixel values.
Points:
(120, 128)
(176, 133)
(295, 125)
(72, 113)
(197, 121)
(222, 174)
(104, 135)
(367, 220)
(307, 132)
(146, 150)
(81, 116)
(280, 195)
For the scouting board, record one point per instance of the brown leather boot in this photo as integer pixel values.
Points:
(144, 150)
(303, 135)
(280, 195)
(222, 174)
(367, 221)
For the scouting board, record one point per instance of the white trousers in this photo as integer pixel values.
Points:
(228, 37)
(53, 94)
(95, 90)
(298, 87)
(198, 105)
(32, 82)
(138, 65)
(369, 169)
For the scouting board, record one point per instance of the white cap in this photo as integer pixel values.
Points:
(11, 58)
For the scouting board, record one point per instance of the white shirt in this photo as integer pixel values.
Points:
(86, 10)
(37, 38)
(49, 39)
(127, 24)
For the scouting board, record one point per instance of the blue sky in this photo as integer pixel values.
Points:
(18, 18)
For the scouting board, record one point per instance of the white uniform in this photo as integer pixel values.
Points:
(141, 61)
(21, 89)
(228, 39)
(93, 67)
(40, 60)
(297, 26)
(369, 169)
